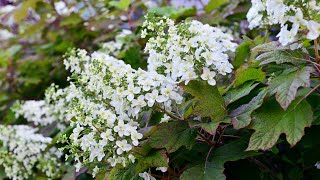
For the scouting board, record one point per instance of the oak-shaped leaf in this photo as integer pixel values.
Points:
(270, 121)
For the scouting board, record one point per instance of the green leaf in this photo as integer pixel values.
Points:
(22, 12)
(213, 169)
(241, 117)
(244, 74)
(71, 20)
(242, 52)
(214, 4)
(186, 108)
(271, 46)
(286, 85)
(173, 12)
(270, 121)
(142, 150)
(274, 52)
(122, 4)
(120, 173)
(235, 94)
(9, 53)
(210, 102)
(2, 173)
(172, 136)
(210, 127)
(157, 159)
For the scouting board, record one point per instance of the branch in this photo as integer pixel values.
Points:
(316, 49)
(263, 167)
(205, 163)
(311, 91)
(206, 139)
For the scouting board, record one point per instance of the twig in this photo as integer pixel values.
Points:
(231, 136)
(98, 129)
(206, 139)
(264, 167)
(205, 163)
(311, 91)
(316, 49)
(172, 172)
(221, 134)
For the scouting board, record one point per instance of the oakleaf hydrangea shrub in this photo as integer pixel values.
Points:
(176, 118)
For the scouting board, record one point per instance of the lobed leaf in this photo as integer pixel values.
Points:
(270, 121)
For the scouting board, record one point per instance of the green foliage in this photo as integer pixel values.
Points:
(180, 135)
(286, 85)
(156, 159)
(214, 4)
(213, 167)
(173, 12)
(121, 173)
(273, 52)
(22, 12)
(270, 121)
(244, 74)
(122, 4)
(235, 94)
(242, 52)
(210, 102)
(241, 117)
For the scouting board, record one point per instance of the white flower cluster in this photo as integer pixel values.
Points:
(22, 150)
(48, 111)
(110, 99)
(121, 42)
(37, 112)
(188, 50)
(297, 14)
